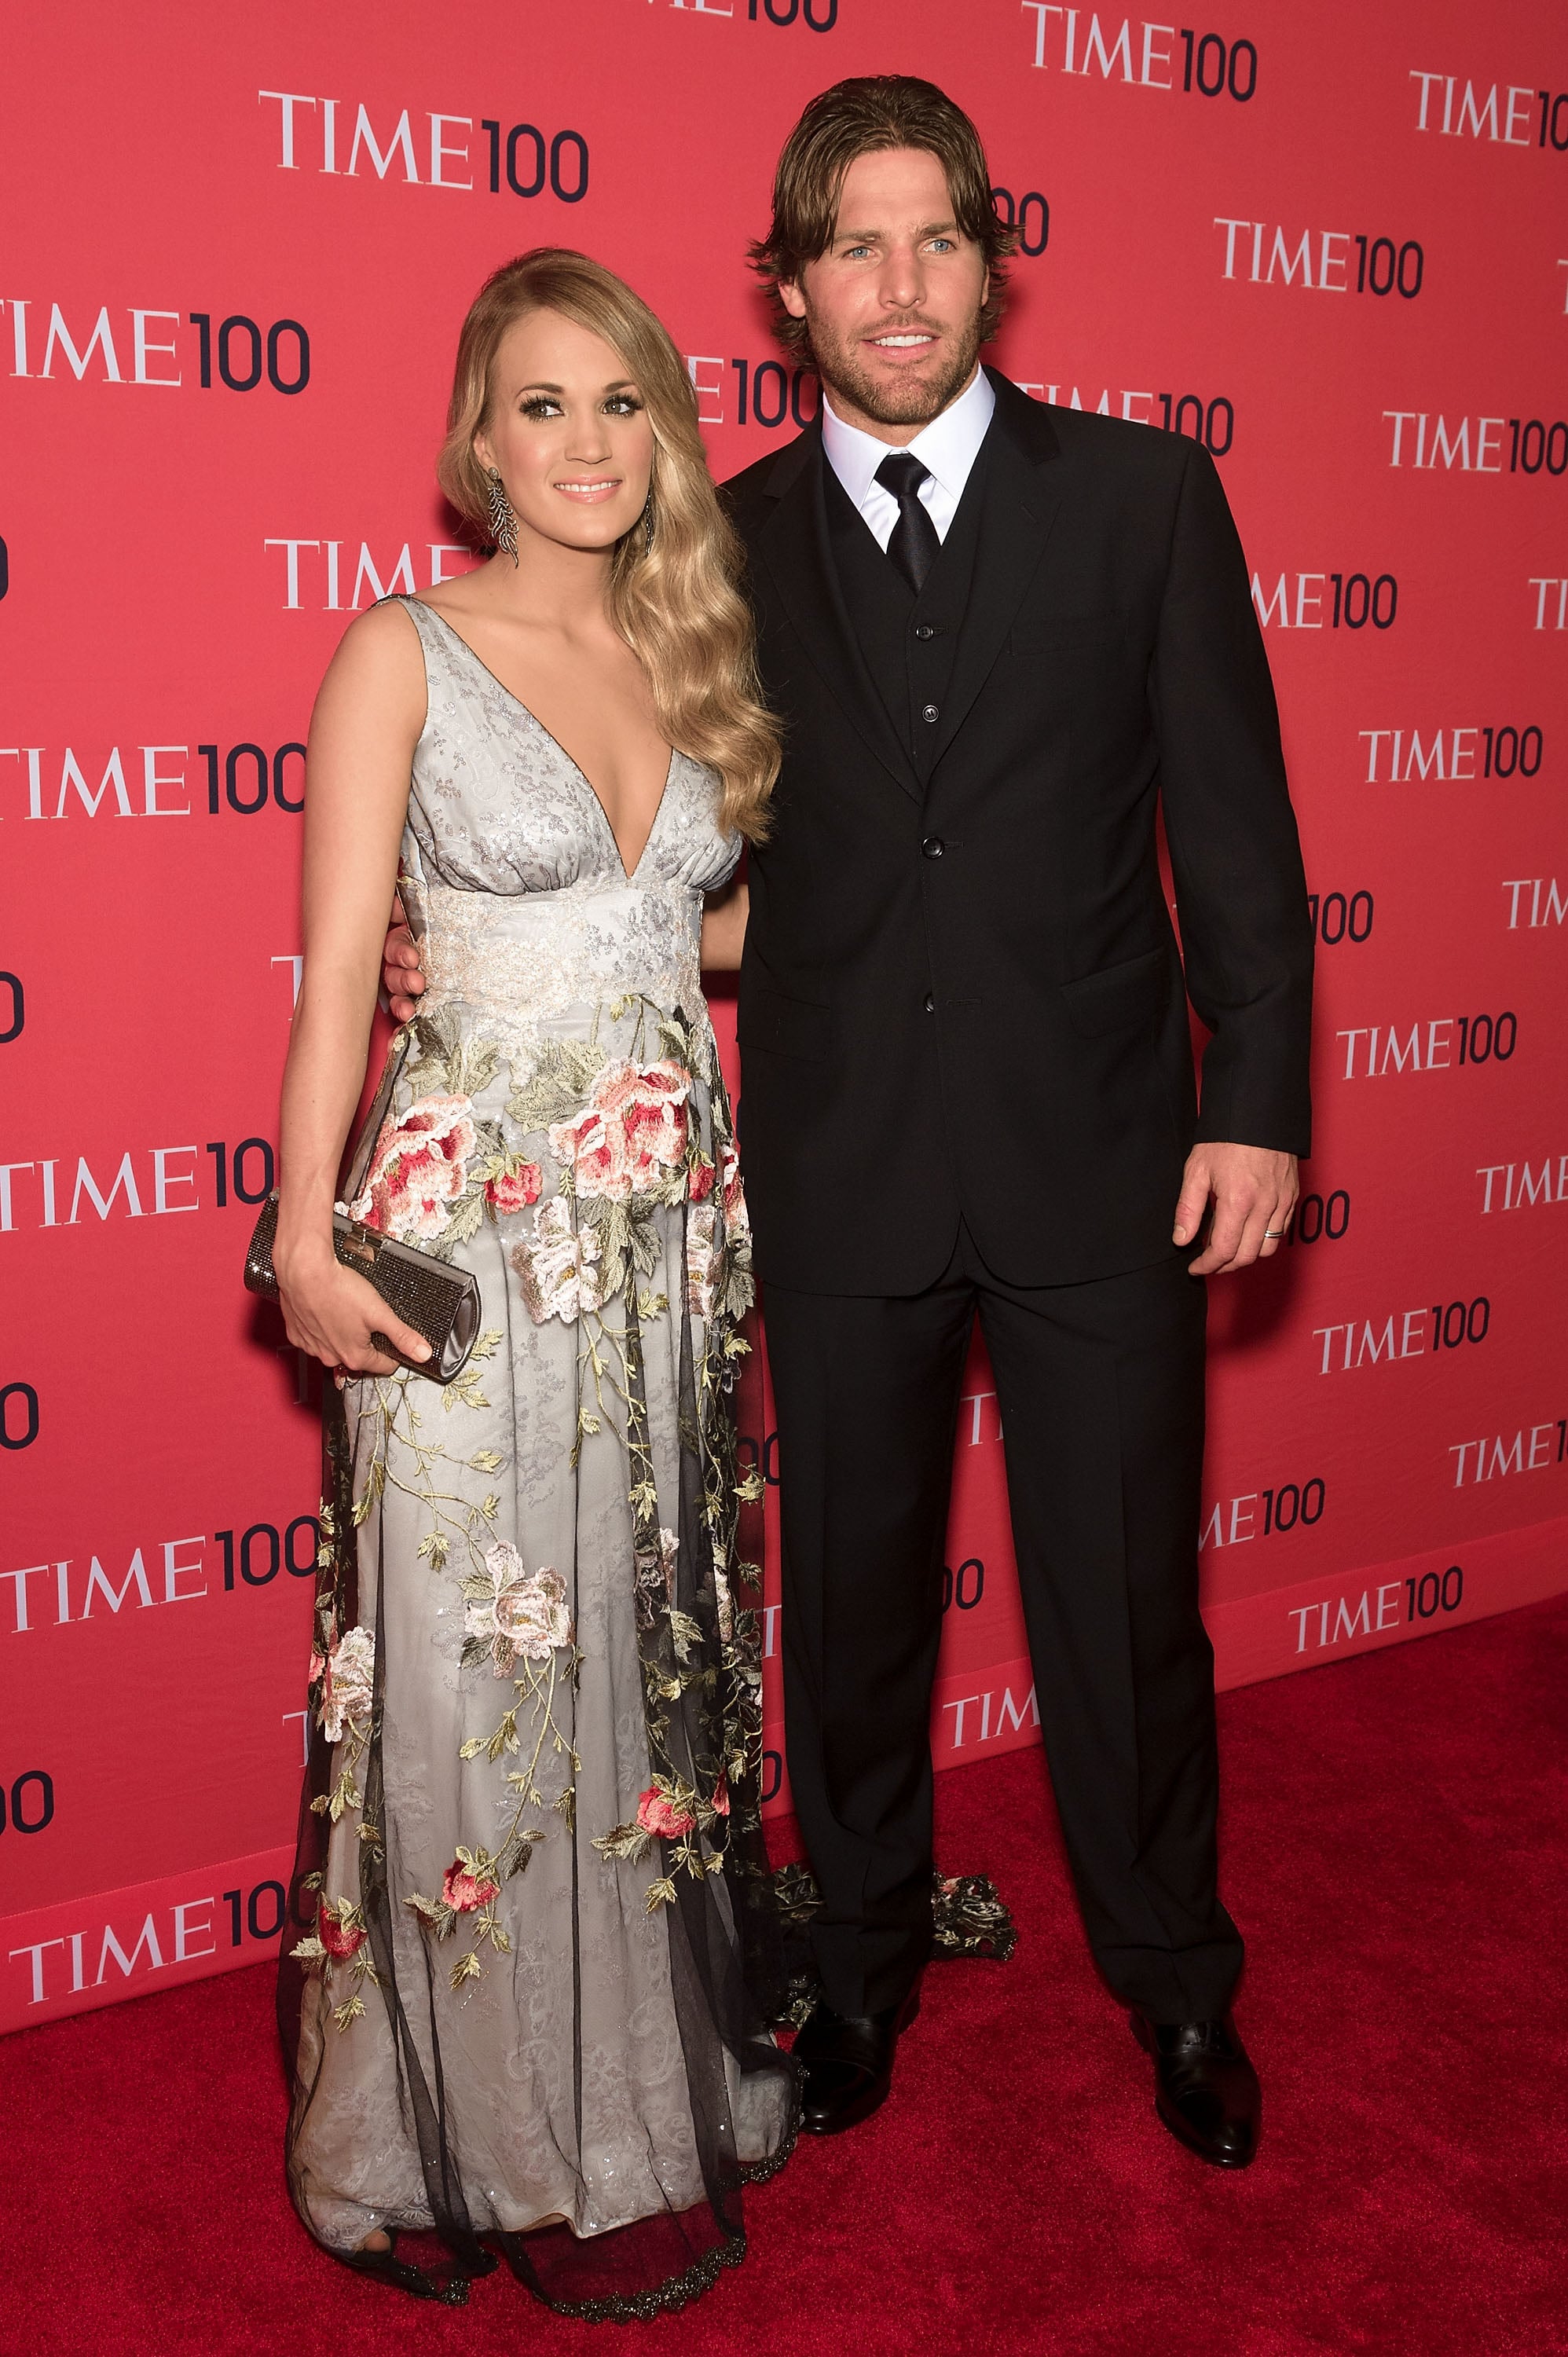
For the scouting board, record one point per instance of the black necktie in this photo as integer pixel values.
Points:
(915, 543)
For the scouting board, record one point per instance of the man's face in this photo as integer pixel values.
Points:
(893, 307)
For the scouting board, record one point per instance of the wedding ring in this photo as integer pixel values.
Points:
(1272, 1235)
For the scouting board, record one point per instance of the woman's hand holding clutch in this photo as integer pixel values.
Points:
(337, 1316)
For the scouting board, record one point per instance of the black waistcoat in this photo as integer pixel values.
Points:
(908, 642)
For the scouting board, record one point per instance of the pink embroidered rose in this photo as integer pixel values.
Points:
(514, 1190)
(631, 1132)
(721, 1799)
(348, 1678)
(656, 1813)
(700, 1184)
(651, 1100)
(731, 1193)
(420, 1168)
(338, 1934)
(463, 1891)
(594, 1151)
(559, 1267)
(513, 1611)
(704, 1259)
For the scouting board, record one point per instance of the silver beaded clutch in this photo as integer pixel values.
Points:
(440, 1303)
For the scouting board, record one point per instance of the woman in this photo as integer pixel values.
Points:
(537, 1951)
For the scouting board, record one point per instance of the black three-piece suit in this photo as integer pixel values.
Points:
(967, 1085)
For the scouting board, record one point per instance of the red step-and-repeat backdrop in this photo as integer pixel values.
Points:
(1332, 242)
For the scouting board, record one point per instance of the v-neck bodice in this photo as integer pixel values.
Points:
(532, 720)
(511, 868)
(498, 805)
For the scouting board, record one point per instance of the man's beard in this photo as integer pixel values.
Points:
(914, 402)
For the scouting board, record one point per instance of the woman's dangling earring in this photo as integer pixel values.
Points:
(503, 523)
(647, 520)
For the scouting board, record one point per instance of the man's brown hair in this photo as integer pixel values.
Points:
(856, 118)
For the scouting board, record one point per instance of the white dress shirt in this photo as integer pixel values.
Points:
(948, 448)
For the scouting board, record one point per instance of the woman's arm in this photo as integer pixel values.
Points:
(724, 926)
(363, 731)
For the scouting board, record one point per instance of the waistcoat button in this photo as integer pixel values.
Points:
(930, 712)
(933, 846)
(930, 1004)
(925, 630)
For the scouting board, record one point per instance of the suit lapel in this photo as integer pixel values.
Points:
(795, 548)
(1019, 503)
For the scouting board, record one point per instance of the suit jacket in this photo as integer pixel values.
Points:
(962, 994)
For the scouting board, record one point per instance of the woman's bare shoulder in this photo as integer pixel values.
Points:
(384, 634)
(376, 678)
(380, 649)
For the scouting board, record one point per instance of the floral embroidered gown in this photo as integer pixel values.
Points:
(535, 1948)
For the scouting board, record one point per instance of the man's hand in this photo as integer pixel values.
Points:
(402, 978)
(1253, 1191)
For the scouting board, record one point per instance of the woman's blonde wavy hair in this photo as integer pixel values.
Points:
(676, 601)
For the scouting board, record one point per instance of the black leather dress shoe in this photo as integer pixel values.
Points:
(847, 2062)
(1205, 2090)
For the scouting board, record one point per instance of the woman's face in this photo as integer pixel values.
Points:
(567, 432)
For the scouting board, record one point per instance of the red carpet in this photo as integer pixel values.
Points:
(1396, 1845)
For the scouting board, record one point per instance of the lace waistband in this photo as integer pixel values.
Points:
(522, 963)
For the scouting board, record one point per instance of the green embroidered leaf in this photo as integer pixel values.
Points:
(309, 1951)
(434, 1548)
(629, 1841)
(557, 1086)
(463, 1391)
(684, 1632)
(441, 1918)
(466, 1218)
(467, 1969)
(474, 1066)
(659, 1894)
(435, 1035)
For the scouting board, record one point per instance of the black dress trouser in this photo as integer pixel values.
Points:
(1100, 1392)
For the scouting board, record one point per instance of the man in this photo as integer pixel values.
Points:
(999, 635)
